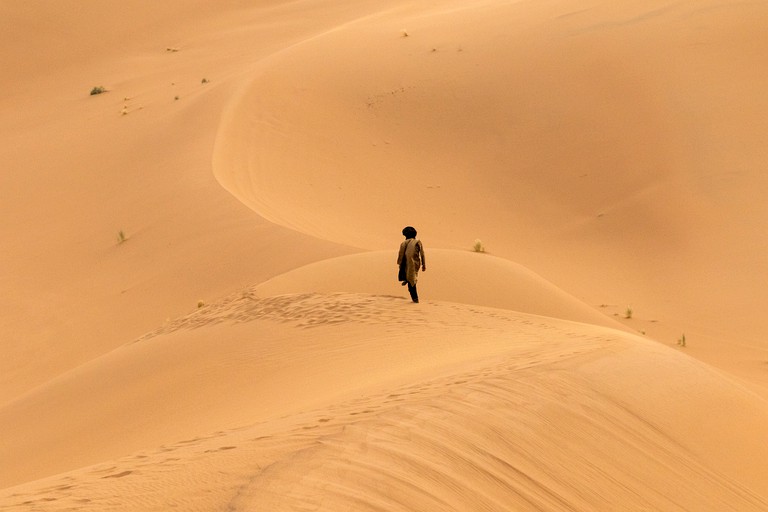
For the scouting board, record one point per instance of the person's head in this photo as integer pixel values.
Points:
(409, 232)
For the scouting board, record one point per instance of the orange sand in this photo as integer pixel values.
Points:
(244, 344)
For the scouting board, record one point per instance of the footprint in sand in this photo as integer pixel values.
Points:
(119, 475)
(367, 411)
(221, 449)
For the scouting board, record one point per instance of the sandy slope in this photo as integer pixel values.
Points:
(76, 172)
(630, 137)
(262, 156)
(369, 402)
(141, 393)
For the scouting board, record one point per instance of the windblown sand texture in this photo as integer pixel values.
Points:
(197, 270)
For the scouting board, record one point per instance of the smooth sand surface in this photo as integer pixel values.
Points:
(198, 265)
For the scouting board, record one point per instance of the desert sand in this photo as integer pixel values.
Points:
(200, 305)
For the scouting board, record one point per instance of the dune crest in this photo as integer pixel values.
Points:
(456, 276)
(509, 410)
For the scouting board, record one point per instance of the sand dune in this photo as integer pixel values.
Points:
(200, 309)
(630, 138)
(365, 401)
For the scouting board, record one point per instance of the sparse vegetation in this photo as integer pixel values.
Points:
(98, 90)
(628, 313)
(404, 33)
(121, 237)
(204, 81)
(200, 304)
(478, 246)
(681, 340)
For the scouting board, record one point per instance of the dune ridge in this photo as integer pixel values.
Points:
(455, 276)
(511, 409)
(627, 137)
(236, 347)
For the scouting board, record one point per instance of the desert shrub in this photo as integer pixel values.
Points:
(98, 90)
(478, 246)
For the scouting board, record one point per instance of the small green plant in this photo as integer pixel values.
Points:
(681, 340)
(478, 246)
(98, 90)
(628, 313)
(121, 237)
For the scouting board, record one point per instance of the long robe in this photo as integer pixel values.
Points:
(411, 255)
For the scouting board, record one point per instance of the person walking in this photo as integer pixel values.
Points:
(409, 259)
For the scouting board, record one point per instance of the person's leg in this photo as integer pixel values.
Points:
(413, 292)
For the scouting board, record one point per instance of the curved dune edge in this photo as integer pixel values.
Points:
(627, 138)
(455, 276)
(362, 401)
